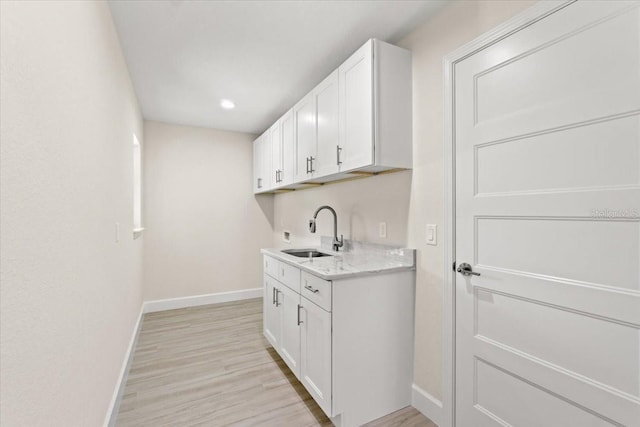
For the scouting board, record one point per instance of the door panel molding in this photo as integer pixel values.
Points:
(587, 415)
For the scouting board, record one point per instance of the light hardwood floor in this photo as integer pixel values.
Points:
(211, 366)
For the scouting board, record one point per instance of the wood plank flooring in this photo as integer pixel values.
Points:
(211, 366)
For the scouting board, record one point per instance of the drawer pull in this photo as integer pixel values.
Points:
(309, 288)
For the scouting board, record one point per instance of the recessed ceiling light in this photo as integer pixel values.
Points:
(227, 104)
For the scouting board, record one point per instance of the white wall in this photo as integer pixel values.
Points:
(205, 227)
(407, 201)
(70, 294)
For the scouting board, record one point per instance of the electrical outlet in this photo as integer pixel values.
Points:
(383, 230)
(432, 234)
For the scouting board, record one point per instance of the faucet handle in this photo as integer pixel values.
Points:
(312, 225)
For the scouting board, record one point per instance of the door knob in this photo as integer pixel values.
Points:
(466, 270)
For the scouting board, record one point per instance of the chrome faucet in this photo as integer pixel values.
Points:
(337, 243)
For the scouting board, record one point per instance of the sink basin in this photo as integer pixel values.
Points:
(305, 253)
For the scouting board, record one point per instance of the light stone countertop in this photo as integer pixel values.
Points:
(357, 259)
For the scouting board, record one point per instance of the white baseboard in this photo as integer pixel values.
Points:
(112, 412)
(428, 405)
(196, 300)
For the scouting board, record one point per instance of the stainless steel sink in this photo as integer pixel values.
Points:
(305, 253)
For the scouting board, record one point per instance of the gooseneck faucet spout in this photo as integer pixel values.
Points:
(337, 243)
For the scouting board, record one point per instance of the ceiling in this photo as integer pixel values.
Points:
(185, 56)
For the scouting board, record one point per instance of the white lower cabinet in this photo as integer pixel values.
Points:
(315, 353)
(348, 341)
(289, 345)
(272, 320)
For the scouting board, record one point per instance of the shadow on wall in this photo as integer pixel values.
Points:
(265, 201)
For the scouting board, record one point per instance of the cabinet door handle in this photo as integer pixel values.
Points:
(259, 182)
(273, 296)
(299, 320)
(311, 159)
(309, 288)
(307, 165)
(277, 300)
(338, 151)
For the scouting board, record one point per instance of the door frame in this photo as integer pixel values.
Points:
(520, 21)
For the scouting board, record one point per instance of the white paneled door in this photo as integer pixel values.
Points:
(547, 143)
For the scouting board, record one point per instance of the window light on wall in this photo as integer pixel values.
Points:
(137, 186)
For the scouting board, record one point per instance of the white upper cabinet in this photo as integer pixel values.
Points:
(288, 148)
(356, 121)
(327, 109)
(304, 118)
(276, 154)
(356, 110)
(375, 109)
(262, 163)
(257, 160)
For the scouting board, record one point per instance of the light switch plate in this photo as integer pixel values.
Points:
(383, 230)
(432, 234)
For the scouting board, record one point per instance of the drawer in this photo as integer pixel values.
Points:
(290, 276)
(271, 266)
(316, 290)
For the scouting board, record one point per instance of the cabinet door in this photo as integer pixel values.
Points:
(262, 163)
(288, 147)
(257, 165)
(272, 322)
(315, 353)
(276, 154)
(356, 109)
(304, 119)
(265, 142)
(326, 96)
(289, 302)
